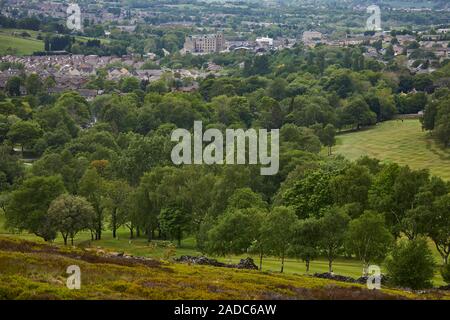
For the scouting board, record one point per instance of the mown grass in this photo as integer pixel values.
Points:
(398, 141)
(12, 43)
(33, 271)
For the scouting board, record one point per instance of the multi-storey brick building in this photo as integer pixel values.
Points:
(206, 43)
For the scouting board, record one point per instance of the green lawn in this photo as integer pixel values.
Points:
(15, 44)
(396, 141)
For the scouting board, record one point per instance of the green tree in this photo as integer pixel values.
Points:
(28, 206)
(70, 215)
(439, 226)
(173, 221)
(234, 232)
(411, 264)
(368, 238)
(13, 86)
(357, 113)
(25, 133)
(93, 188)
(33, 84)
(278, 230)
(333, 226)
(305, 241)
(117, 201)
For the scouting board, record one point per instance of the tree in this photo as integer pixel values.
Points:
(70, 215)
(33, 84)
(445, 272)
(93, 188)
(351, 186)
(305, 241)
(393, 192)
(130, 84)
(442, 124)
(368, 238)
(357, 113)
(13, 86)
(439, 226)
(278, 230)
(117, 201)
(28, 206)
(245, 198)
(328, 137)
(333, 226)
(234, 232)
(173, 221)
(25, 133)
(411, 264)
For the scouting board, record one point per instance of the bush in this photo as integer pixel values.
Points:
(411, 264)
(445, 272)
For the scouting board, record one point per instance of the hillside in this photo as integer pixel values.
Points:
(14, 44)
(398, 141)
(31, 270)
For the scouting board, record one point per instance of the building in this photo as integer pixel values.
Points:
(206, 43)
(311, 36)
(264, 42)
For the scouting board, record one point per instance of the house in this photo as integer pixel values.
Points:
(88, 94)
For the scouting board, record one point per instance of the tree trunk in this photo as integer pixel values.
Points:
(260, 261)
(114, 222)
(307, 265)
(65, 239)
(71, 240)
(282, 263)
(330, 265)
(138, 232)
(149, 234)
(131, 233)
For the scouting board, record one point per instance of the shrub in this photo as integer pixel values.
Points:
(411, 264)
(445, 272)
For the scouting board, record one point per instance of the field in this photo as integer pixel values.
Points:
(398, 141)
(38, 271)
(12, 43)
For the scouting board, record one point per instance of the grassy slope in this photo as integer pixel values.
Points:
(140, 247)
(24, 46)
(31, 270)
(397, 141)
(10, 38)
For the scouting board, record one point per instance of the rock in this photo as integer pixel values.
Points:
(247, 263)
(363, 279)
(332, 276)
(444, 287)
(202, 260)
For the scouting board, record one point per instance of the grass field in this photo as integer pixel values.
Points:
(396, 141)
(14, 44)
